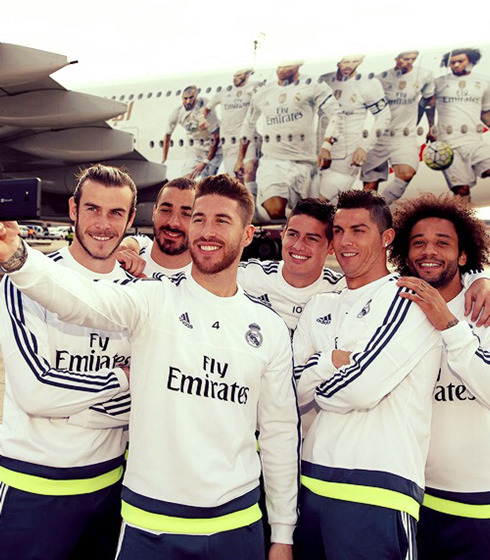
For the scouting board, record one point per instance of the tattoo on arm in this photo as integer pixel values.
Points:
(16, 261)
(452, 323)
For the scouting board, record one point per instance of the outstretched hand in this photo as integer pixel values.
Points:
(9, 240)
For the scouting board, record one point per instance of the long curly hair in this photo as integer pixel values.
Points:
(472, 237)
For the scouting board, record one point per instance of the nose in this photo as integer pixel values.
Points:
(430, 250)
(208, 230)
(174, 220)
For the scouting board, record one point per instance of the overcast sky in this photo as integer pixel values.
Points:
(120, 40)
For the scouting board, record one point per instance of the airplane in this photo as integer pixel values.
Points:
(49, 132)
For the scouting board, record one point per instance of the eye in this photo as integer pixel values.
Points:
(186, 214)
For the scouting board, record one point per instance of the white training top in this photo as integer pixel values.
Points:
(459, 452)
(64, 383)
(460, 101)
(206, 373)
(356, 96)
(286, 117)
(151, 267)
(403, 92)
(234, 102)
(199, 140)
(374, 426)
(265, 280)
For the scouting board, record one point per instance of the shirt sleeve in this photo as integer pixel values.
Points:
(250, 122)
(311, 366)
(396, 336)
(429, 88)
(486, 100)
(376, 102)
(468, 356)
(102, 416)
(279, 440)
(75, 299)
(329, 112)
(38, 388)
(172, 121)
(214, 101)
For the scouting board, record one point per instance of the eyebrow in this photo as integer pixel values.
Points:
(98, 207)
(438, 234)
(307, 233)
(351, 227)
(170, 205)
(216, 215)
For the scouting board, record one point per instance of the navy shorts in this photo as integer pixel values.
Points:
(81, 527)
(330, 529)
(448, 537)
(245, 543)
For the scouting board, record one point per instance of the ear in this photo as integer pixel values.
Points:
(330, 248)
(248, 235)
(387, 236)
(153, 213)
(131, 219)
(72, 208)
(462, 259)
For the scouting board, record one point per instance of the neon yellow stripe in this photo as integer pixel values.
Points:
(363, 495)
(185, 526)
(457, 508)
(53, 487)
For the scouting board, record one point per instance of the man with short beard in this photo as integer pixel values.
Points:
(63, 437)
(168, 253)
(209, 367)
(438, 240)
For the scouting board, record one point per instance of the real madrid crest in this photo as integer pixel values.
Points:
(283, 97)
(239, 93)
(353, 98)
(416, 86)
(337, 93)
(462, 84)
(478, 85)
(253, 336)
(297, 97)
(402, 84)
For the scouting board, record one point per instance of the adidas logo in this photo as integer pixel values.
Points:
(326, 320)
(365, 310)
(184, 319)
(265, 299)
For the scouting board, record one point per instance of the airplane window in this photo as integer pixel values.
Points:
(178, 92)
(278, 138)
(121, 98)
(160, 143)
(149, 95)
(201, 141)
(219, 88)
(302, 138)
(181, 142)
(168, 94)
(198, 90)
(159, 94)
(228, 88)
(464, 128)
(392, 132)
(152, 144)
(191, 142)
(290, 137)
(358, 76)
(130, 97)
(171, 143)
(479, 128)
(378, 132)
(233, 140)
(370, 75)
(365, 133)
(113, 97)
(406, 132)
(208, 90)
(140, 96)
(266, 138)
(420, 131)
(308, 81)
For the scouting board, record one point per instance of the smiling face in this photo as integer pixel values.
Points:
(359, 246)
(305, 248)
(171, 218)
(217, 234)
(434, 255)
(101, 218)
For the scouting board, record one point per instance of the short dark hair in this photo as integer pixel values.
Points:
(403, 53)
(473, 55)
(181, 183)
(472, 237)
(379, 211)
(229, 187)
(189, 88)
(315, 208)
(108, 176)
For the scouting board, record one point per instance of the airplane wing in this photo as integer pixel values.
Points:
(49, 132)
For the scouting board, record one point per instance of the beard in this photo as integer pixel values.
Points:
(102, 255)
(168, 246)
(445, 276)
(205, 267)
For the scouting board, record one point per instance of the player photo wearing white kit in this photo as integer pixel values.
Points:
(203, 154)
(462, 105)
(234, 102)
(290, 113)
(410, 93)
(356, 94)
